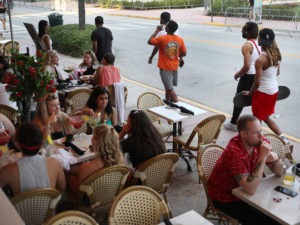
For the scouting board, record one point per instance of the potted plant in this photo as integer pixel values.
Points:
(27, 81)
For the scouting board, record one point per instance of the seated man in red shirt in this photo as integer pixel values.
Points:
(242, 164)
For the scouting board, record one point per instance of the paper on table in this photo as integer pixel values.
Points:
(65, 158)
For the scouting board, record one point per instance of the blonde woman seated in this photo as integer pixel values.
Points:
(107, 74)
(105, 143)
(50, 119)
(89, 60)
(51, 61)
(99, 104)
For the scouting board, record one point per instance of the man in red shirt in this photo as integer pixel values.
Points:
(242, 164)
(171, 50)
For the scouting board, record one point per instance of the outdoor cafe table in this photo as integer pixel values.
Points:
(189, 218)
(174, 115)
(8, 213)
(82, 141)
(286, 211)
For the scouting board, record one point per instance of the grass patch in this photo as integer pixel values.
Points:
(69, 40)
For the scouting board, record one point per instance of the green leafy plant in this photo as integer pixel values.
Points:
(28, 81)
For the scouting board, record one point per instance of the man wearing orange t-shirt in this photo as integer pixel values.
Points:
(171, 50)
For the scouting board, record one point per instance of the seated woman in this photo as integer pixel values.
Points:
(107, 74)
(89, 60)
(99, 104)
(50, 119)
(106, 145)
(51, 61)
(144, 141)
(44, 38)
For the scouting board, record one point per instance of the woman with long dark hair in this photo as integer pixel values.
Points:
(44, 38)
(144, 141)
(99, 104)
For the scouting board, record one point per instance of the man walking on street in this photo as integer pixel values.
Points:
(101, 39)
(246, 74)
(171, 50)
(165, 17)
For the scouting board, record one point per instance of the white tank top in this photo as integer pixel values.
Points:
(255, 54)
(33, 173)
(268, 82)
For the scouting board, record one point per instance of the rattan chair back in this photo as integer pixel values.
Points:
(103, 186)
(9, 112)
(207, 130)
(205, 164)
(280, 147)
(157, 172)
(138, 205)
(148, 100)
(77, 99)
(36, 206)
(7, 48)
(71, 217)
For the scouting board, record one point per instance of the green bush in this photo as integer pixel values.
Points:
(69, 40)
(142, 4)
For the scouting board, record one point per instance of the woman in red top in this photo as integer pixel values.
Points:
(107, 74)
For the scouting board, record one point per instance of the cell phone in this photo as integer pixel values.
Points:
(286, 191)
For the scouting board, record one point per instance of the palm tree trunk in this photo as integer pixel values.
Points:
(81, 10)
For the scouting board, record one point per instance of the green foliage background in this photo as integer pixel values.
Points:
(69, 40)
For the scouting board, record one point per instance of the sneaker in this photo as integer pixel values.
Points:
(230, 126)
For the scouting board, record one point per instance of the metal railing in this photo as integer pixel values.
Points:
(285, 20)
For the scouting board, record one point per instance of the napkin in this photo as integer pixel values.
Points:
(65, 158)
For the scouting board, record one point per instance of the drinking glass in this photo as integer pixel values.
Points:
(82, 69)
(288, 172)
(94, 120)
(77, 122)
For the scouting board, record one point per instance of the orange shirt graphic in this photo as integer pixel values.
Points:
(170, 47)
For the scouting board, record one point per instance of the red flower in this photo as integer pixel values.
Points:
(32, 70)
(18, 94)
(47, 87)
(39, 54)
(53, 90)
(20, 63)
(51, 82)
(16, 81)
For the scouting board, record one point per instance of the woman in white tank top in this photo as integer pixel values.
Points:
(265, 88)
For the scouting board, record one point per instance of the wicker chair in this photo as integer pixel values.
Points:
(206, 132)
(102, 187)
(71, 217)
(205, 164)
(77, 99)
(9, 112)
(138, 205)
(36, 206)
(157, 172)
(148, 100)
(280, 147)
(7, 48)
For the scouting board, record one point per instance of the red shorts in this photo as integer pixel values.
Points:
(263, 105)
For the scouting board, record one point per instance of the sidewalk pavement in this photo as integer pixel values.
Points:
(185, 193)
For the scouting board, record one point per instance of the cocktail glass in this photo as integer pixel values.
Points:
(82, 69)
(77, 122)
(94, 120)
(4, 138)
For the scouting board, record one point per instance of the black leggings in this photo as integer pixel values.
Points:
(245, 84)
(244, 213)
